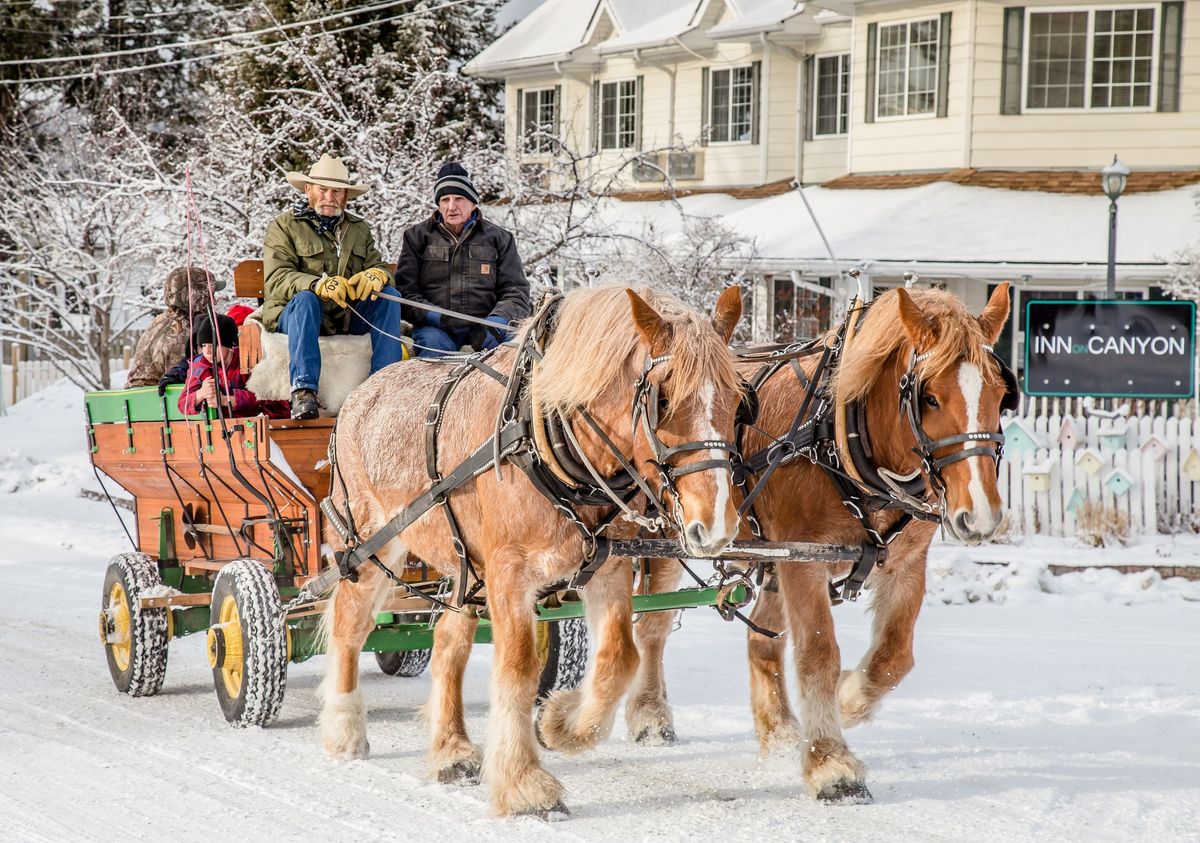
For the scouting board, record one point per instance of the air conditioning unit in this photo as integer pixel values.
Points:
(686, 165)
(648, 168)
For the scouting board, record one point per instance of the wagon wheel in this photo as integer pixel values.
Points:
(562, 650)
(408, 663)
(135, 640)
(248, 644)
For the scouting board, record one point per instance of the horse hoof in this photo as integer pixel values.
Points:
(460, 772)
(845, 793)
(555, 813)
(660, 736)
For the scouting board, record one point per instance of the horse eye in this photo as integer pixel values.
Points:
(662, 405)
(931, 401)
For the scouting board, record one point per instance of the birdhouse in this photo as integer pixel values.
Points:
(1112, 435)
(1066, 435)
(1118, 481)
(1020, 436)
(1037, 476)
(1191, 466)
(1155, 447)
(1077, 499)
(1088, 461)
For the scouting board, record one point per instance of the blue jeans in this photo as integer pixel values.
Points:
(301, 321)
(435, 342)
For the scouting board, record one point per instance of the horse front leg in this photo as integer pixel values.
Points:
(897, 591)
(831, 771)
(774, 723)
(452, 755)
(518, 782)
(575, 720)
(647, 712)
(347, 621)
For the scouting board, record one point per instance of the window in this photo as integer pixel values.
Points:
(832, 95)
(539, 119)
(618, 114)
(1090, 58)
(907, 65)
(731, 105)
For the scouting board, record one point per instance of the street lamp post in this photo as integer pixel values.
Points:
(1112, 179)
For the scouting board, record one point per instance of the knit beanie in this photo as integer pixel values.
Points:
(227, 329)
(454, 180)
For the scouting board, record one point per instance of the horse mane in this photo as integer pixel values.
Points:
(880, 336)
(596, 346)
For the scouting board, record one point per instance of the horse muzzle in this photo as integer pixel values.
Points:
(972, 527)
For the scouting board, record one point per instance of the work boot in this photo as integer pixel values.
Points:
(304, 404)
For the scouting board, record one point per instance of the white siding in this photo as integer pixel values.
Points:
(824, 158)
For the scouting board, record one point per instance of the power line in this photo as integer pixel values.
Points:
(206, 41)
(233, 52)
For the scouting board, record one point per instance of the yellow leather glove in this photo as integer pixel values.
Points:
(367, 283)
(333, 288)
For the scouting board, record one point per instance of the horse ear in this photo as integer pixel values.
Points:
(649, 323)
(995, 314)
(728, 312)
(921, 332)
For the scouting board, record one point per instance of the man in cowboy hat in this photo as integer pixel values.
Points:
(459, 261)
(321, 274)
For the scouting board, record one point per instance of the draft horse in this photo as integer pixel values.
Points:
(918, 351)
(613, 353)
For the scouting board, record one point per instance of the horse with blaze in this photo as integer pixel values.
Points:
(961, 391)
(603, 342)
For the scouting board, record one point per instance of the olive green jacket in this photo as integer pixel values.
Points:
(294, 256)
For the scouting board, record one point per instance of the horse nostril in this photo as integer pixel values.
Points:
(962, 523)
(697, 535)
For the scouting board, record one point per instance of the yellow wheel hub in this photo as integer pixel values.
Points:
(541, 642)
(116, 624)
(225, 646)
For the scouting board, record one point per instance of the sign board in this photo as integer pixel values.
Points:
(1127, 349)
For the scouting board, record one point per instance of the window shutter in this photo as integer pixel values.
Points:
(596, 115)
(520, 146)
(943, 89)
(1170, 43)
(755, 101)
(1010, 72)
(637, 118)
(557, 110)
(872, 34)
(810, 97)
(705, 108)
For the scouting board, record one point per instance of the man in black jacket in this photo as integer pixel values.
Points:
(459, 261)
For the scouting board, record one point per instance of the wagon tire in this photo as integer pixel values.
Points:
(562, 648)
(248, 644)
(135, 640)
(408, 663)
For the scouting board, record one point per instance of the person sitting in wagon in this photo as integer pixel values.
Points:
(321, 273)
(459, 261)
(165, 341)
(214, 375)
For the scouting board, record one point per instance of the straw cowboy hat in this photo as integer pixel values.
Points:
(330, 172)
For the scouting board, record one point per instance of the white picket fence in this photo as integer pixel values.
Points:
(35, 375)
(1146, 468)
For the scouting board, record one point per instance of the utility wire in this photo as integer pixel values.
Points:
(95, 74)
(345, 13)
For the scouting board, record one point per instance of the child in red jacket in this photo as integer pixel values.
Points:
(217, 362)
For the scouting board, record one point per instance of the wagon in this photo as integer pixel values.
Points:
(227, 531)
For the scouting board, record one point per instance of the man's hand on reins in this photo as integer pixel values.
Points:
(366, 284)
(334, 288)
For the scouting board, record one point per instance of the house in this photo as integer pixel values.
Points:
(959, 140)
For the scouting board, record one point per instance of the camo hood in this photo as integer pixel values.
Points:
(175, 290)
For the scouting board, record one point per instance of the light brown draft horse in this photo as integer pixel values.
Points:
(602, 342)
(961, 392)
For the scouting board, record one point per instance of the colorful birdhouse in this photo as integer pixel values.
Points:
(1112, 435)
(1088, 461)
(1118, 482)
(1066, 435)
(1191, 466)
(1077, 499)
(1037, 477)
(1020, 436)
(1155, 447)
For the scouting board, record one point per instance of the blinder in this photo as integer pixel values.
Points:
(1012, 394)
(748, 407)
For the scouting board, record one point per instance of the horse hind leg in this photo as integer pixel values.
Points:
(647, 712)
(774, 723)
(576, 720)
(347, 622)
(452, 755)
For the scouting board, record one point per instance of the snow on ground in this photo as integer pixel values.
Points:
(1040, 708)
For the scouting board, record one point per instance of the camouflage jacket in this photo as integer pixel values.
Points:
(162, 345)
